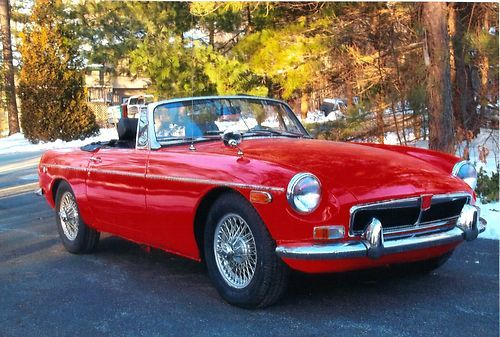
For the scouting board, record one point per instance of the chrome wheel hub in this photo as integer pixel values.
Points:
(235, 251)
(68, 214)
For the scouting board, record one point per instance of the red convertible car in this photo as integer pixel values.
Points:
(238, 183)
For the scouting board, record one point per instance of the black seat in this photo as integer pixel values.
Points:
(127, 130)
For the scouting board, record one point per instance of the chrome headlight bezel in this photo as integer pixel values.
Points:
(291, 193)
(467, 172)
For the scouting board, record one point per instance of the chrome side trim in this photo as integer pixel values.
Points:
(170, 178)
(64, 167)
(215, 182)
(116, 172)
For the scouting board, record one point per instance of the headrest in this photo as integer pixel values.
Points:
(127, 129)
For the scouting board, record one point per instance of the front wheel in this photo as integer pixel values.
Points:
(75, 235)
(240, 255)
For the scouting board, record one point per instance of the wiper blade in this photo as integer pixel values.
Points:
(166, 139)
(213, 132)
(271, 132)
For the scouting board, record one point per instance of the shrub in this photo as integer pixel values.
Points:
(487, 186)
(51, 82)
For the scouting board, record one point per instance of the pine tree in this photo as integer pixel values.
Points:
(51, 81)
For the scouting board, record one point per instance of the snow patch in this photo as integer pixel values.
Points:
(17, 143)
(491, 213)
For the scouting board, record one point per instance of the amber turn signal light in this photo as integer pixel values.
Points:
(259, 197)
(328, 232)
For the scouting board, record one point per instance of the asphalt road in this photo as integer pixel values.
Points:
(122, 290)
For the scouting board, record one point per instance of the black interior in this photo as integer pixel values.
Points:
(127, 130)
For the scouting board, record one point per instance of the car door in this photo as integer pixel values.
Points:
(116, 191)
(172, 196)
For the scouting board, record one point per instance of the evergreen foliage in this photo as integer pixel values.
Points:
(487, 185)
(372, 55)
(53, 98)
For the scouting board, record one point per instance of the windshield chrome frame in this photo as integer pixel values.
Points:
(155, 144)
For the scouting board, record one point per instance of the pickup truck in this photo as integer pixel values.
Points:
(131, 105)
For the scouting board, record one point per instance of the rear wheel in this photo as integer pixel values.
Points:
(75, 235)
(240, 255)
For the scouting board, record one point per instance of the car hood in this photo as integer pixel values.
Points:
(368, 173)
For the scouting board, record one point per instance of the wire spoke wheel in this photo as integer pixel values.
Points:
(68, 214)
(235, 251)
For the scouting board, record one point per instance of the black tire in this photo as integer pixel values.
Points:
(425, 266)
(270, 277)
(83, 239)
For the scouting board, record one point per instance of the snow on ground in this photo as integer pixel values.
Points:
(491, 213)
(319, 116)
(17, 143)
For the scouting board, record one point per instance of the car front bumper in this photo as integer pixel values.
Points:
(371, 244)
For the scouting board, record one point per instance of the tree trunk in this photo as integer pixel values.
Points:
(8, 67)
(211, 33)
(379, 114)
(304, 105)
(438, 77)
(463, 94)
(484, 66)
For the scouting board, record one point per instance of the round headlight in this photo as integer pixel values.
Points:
(304, 192)
(467, 172)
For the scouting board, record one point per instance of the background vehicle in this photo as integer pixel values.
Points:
(131, 105)
(334, 108)
(134, 103)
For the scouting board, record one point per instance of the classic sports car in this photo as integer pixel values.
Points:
(237, 182)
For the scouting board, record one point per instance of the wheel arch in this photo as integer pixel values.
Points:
(202, 212)
(55, 186)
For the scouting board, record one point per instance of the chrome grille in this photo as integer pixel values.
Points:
(408, 216)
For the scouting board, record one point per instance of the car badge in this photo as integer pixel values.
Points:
(426, 200)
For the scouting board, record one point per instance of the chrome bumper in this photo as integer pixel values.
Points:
(372, 243)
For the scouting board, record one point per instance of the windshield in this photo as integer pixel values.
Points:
(207, 118)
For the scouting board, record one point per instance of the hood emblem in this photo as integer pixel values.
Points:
(426, 200)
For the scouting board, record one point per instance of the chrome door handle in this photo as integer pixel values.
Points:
(96, 160)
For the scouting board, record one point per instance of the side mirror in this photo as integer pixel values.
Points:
(233, 140)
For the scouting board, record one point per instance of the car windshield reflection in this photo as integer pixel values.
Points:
(209, 118)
